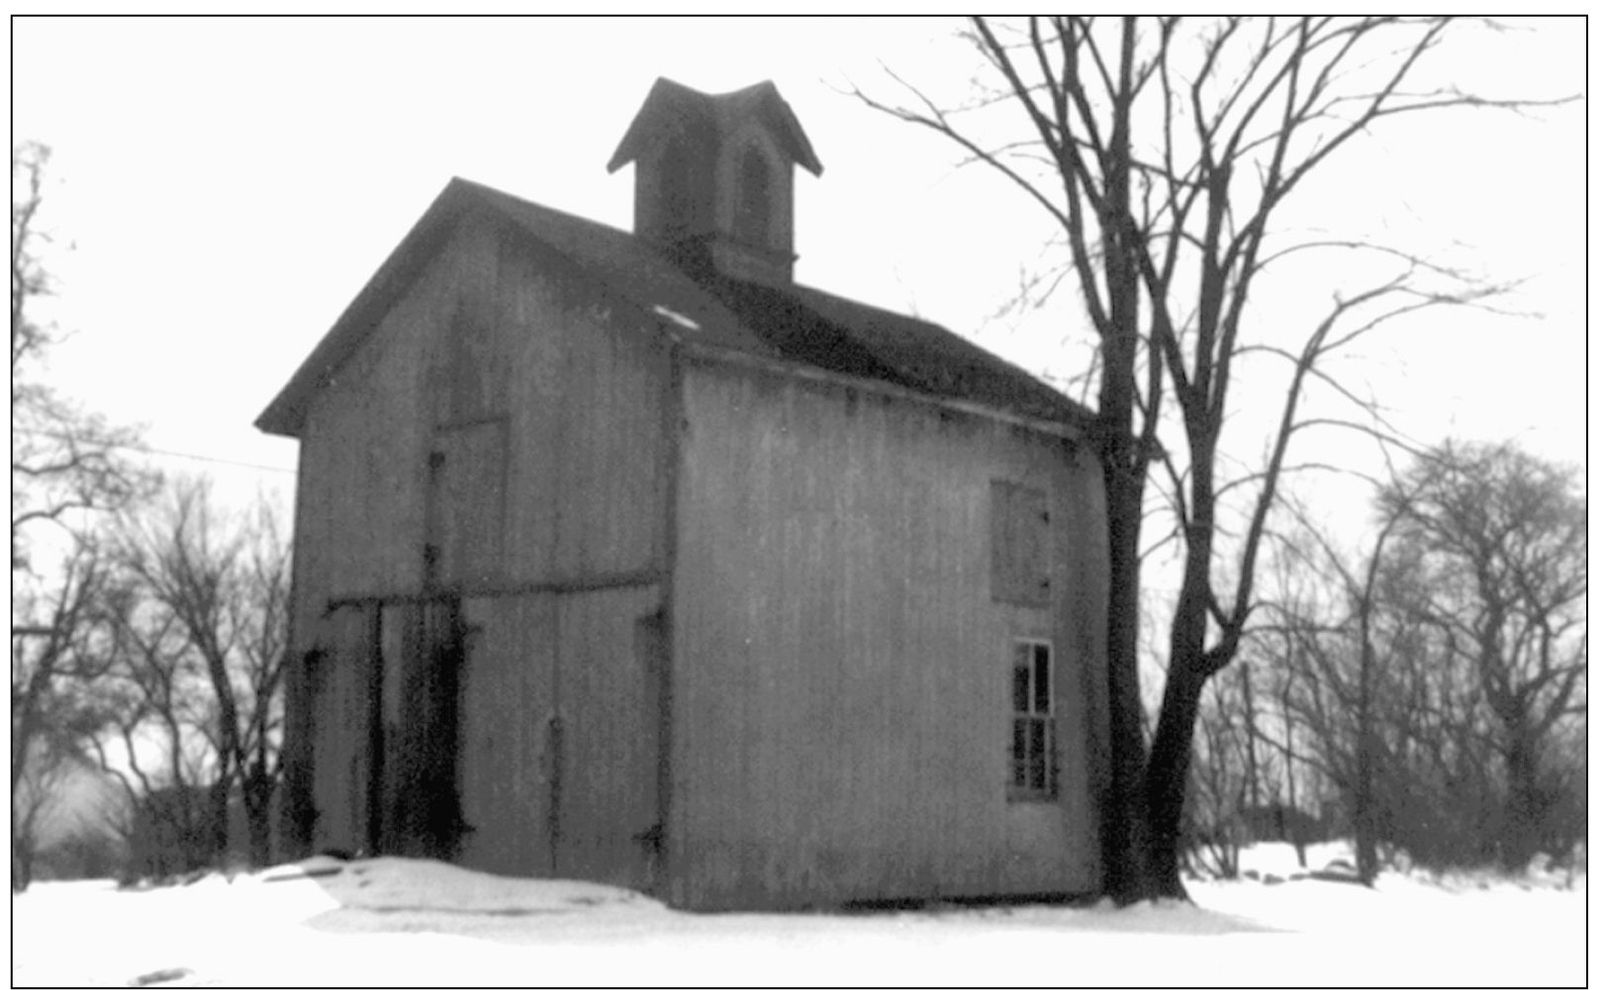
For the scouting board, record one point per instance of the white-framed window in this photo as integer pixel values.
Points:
(1033, 753)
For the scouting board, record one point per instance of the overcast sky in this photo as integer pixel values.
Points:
(228, 185)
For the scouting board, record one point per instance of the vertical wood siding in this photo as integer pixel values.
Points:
(579, 382)
(509, 699)
(607, 697)
(586, 429)
(842, 671)
(559, 765)
(501, 350)
(338, 721)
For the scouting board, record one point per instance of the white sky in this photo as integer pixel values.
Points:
(229, 184)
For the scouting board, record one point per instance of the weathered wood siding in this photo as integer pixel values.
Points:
(842, 672)
(607, 698)
(510, 415)
(581, 392)
(337, 722)
(560, 749)
(508, 703)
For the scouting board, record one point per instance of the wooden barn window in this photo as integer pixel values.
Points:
(1033, 763)
(466, 505)
(1020, 544)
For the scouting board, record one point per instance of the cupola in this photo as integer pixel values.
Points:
(713, 177)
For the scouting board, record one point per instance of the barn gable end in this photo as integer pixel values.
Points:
(464, 465)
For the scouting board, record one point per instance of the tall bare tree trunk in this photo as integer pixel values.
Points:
(1520, 840)
(1124, 832)
(1299, 835)
(1166, 782)
(1365, 833)
(257, 785)
(1125, 839)
(1250, 732)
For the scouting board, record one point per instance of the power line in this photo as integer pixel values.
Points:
(142, 449)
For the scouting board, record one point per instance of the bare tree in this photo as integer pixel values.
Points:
(1217, 788)
(1420, 670)
(44, 656)
(64, 463)
(1164, 151)
(154, 740)
(1500, 539)
(1390, 721)
(35, 791)
(63, 459)
(1278, 731)
(53, 669)
(1329, 636)
(222, 583)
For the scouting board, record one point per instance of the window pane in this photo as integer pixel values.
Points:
(1038, 758)
(1044, 693)
(1032, 760)
(1052, 760)
(1017, 755)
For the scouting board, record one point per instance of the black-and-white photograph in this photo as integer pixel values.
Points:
(800, 501)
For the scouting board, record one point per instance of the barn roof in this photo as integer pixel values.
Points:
(789, 323)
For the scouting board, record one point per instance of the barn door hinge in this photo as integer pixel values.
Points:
(554, 750)
(650, 837)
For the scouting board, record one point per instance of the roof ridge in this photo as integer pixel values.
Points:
(876, 343)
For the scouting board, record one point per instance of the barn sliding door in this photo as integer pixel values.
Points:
(515, 734)
(414, 804)
(610, 651)
(506, 769)
(558, 765)
(337, 719)
(385, 717)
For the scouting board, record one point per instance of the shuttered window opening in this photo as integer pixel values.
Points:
(1020, 544)
(467, 506)
(1033, 756)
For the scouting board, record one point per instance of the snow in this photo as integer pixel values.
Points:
(679, 318)
(323, 922)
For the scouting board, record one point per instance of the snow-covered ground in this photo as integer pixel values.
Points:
(395, 922)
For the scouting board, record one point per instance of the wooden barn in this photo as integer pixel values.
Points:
(624, 557)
